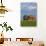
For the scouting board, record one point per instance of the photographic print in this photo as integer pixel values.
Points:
(28, 14)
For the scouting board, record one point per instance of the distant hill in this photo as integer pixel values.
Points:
(29, 17)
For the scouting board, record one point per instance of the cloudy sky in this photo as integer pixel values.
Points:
(28, 8)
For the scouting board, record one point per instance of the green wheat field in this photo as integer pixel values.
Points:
(28, 23)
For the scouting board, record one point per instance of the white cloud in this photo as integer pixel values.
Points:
(31, 7)
(28, 7)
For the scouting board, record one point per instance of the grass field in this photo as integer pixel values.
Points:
(28, 23)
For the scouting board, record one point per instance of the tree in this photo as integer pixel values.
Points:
(25, 17)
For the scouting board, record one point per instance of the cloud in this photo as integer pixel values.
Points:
(28, 7)
(31, 7)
